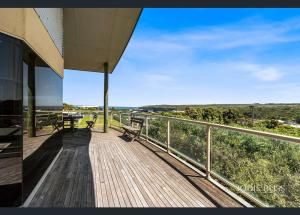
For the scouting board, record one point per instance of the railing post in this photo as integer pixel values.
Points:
(111, 119)
(147, 127)
(208, 151)
(168, 136)
(129, 117)
(120, 122)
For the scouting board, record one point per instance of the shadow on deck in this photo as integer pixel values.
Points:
(98, 169)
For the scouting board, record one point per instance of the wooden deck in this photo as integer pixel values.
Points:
(98, 169)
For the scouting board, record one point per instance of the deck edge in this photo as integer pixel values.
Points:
(42, 179)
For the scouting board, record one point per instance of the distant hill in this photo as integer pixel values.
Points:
(182, 107)
(284, 111)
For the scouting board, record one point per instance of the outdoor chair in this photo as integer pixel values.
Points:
(91, 123)
(42, 120)
(55, 122)
(135, 129)
(40, 124)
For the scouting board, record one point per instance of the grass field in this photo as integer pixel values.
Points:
(99, 121)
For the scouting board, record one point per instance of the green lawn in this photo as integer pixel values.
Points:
(99, 121)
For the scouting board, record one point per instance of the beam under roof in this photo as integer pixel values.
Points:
(97, 35)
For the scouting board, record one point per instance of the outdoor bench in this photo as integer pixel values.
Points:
(135, 128)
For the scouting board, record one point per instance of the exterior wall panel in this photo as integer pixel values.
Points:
(25, 24)
(30, 100)
(52, 18)
(10, 121)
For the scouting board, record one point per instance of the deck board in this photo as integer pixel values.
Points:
(98, 169)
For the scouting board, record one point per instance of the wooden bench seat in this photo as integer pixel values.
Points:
(130, 128)
(135, 129)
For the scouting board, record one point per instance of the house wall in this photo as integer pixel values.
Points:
(26, 24)
(52, 18)
(10, 121)
(30, 101)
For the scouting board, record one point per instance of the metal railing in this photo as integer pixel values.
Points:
(206, 138)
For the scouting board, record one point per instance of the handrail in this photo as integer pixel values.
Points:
(11, 115)
(244, 130)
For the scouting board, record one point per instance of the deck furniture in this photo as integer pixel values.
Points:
(3, 146)
(4, 132)
(39, 124)
(72, 119)
(9, 146)
(135, 128)
(55, 122)
(91, 123)
(43, 120)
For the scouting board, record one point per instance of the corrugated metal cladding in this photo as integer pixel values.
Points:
(52, 19)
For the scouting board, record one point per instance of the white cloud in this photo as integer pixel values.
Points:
(200, 66)
(153, 80)
(249, 32)
(284, 92)
(186, 51)
(158, 77)
(263, 73)
(177, 52)
(268, 74)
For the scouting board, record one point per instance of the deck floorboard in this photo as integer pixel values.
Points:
(98, 169)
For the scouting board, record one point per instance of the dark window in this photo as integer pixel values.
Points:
(10, 121)
(41, 148)
(30, 98)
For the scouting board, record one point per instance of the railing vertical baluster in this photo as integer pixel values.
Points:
(129, 118)
(147, 127)
(111, 119)
(120, 122)
(168, 137)
(208, 151)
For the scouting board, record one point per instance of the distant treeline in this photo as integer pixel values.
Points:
(96, 108)
(288, 112)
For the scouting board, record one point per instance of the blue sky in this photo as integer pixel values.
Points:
(201, 56)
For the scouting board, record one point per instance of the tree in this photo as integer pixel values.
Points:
(191, 113)
(247, 114)
(211, 115)
(68, 106)
(271, 124)
(230, 116)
